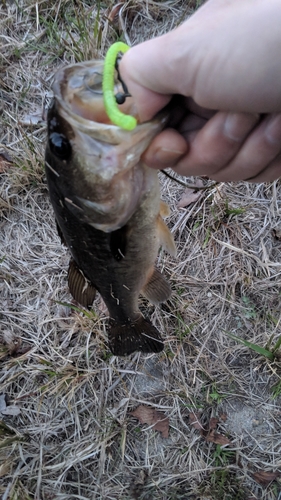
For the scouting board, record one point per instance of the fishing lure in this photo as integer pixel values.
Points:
(126, 122)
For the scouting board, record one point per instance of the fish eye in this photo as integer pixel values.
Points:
(60, 145)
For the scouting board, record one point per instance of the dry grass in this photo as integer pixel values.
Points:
(74, 437)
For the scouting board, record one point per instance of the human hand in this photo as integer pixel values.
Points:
(226, 58)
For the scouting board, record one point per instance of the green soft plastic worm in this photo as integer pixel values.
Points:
(126, 122)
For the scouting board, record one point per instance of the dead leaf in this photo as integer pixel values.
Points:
(137, 484)
(32, 118)
(13, 411)
(151, 416)
(190, 195)
(223, 417)
(216, 438)
(7, 410)
(112, 15)
(265, 477)
(195, 421)
(277, 233)
(13, 343)
(7, 157)
(209, 435)
(213, 422)
(5, 161)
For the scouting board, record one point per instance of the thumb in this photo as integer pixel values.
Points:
(148, 76)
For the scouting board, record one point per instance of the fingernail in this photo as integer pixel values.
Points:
(168, 156)
(238, 125)
(273, 129)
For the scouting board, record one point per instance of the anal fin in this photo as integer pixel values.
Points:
(156, 289)
(80, 288)
(166, 237)
(127, 338)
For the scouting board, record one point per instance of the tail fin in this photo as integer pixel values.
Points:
(134, 336)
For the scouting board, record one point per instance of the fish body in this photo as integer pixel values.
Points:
(107, 206)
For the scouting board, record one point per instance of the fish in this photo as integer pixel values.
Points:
(107, 205)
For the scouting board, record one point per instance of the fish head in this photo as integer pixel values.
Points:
(96, 163)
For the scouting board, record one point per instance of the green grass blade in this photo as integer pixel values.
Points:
(254, 347)
(277, 345)
(89, 314)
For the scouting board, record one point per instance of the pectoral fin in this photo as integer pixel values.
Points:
(164, 209)
(157, 289)
(80, 288)
(165, 237)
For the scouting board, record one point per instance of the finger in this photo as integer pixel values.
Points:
(172, 141)
(216, 144)
(270, 173)
(165, 150)
(256, 154)
(143, 68)
(197, 110)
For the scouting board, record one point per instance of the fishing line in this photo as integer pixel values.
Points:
(126, 122)
(189, 186)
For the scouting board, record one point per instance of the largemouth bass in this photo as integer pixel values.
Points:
(107, 206)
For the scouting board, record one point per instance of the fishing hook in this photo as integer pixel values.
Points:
(119, 97)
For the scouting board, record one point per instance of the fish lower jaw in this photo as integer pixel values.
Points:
(108, 217)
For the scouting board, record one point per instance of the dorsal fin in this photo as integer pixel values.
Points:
(165, 237)
(80, 288)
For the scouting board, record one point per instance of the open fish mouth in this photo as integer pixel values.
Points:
(79, 89)
(107, 174)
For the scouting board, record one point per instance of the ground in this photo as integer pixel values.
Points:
(67, 429)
